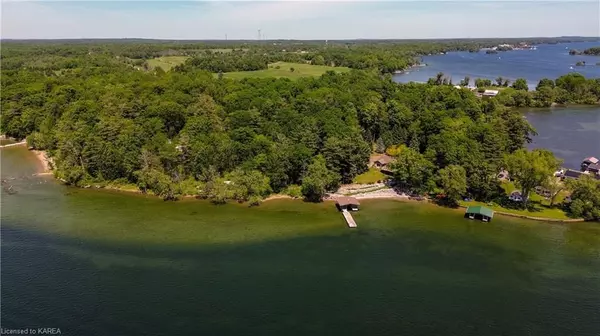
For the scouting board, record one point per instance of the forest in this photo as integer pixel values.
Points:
(189, 132)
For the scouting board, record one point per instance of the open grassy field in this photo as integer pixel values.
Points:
(283, 70)
(373, 175)
(166, 62)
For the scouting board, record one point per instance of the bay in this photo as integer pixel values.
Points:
(548, 61)
(571, 133)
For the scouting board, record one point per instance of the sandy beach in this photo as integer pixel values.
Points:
(44, 161)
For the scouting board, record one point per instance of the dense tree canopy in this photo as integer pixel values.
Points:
(187, 131)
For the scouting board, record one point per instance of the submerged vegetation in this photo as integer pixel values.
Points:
(189, 131)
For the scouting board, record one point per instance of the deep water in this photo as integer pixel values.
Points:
(108, 263)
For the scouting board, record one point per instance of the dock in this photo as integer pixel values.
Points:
(349, 219)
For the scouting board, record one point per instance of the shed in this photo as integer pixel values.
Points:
(594, 168)
(347, 203)
(480, 212)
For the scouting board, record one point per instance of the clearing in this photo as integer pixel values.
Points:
(166, 62)
(284, 70)
(373, 175)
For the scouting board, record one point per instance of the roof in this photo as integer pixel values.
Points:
(591, 159)
(343, 201)
(384, 159)
(480, 210)
(490, 92)
(594, 166)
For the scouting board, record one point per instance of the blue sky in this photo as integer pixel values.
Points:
(329, 19)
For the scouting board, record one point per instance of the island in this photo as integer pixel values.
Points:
(594, 51)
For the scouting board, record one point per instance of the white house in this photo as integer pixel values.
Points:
(490, 93)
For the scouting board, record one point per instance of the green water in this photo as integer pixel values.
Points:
(107, 263)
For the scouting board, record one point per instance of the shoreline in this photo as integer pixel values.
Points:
(46, 164)
(43, 161)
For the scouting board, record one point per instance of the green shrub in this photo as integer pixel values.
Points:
(294, 191)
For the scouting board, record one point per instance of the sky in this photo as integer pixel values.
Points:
(328, 19)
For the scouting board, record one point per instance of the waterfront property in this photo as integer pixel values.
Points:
(516, 196)
(594, 168)
(383, 163)
(347, 203)
(479, 212)
(490, 93)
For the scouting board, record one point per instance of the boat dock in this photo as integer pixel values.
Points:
(349, 219)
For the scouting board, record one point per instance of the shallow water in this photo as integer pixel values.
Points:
(548, 61)
(108, 263)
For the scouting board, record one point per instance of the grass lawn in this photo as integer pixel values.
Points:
(536, 210)
(538, 205)
(284, 70)
(533, 196)
(166, 62)
(371, 176)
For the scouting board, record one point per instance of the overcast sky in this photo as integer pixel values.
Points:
(298, 19)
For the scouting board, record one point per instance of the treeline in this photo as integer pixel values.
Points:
(572, 88)
(594, 51)
(186, 132)
(385, 56)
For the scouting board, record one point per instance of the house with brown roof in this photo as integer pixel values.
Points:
(382, 162)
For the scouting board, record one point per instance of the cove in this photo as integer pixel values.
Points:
(107, 263)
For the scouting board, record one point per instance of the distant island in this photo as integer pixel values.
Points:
(594, 51)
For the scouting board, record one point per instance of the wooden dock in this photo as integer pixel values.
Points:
(349, 219)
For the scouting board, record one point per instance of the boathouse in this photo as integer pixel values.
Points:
(479, 212)
(347, 203)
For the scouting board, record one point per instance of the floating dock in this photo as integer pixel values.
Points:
(349, 219)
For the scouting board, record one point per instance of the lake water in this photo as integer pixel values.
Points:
(108, 263)
(548, 61)
(571, 133)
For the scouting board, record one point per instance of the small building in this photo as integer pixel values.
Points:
(593, 168)
(479, 212)
(516, 196)
(347, 203)
(490, 93)
(382, 162)
(588, 161)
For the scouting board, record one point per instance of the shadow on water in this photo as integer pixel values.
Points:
(359, 283)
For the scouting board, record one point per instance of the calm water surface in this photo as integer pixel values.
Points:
(548, 61)
(106, 263)
(571, 133)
